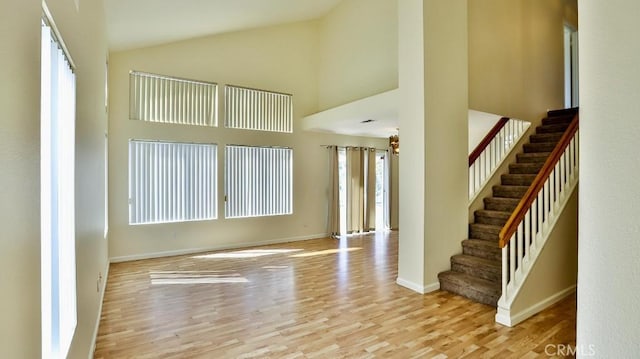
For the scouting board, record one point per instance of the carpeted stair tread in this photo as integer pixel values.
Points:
(554, 120)
(477, 289)
(509, 191)
(495, 218)
(487, 232)
(555, 128)
(563, 112)
(501, 204)
(539, 147)
(525, 168)
(546, 137)
(536, 157)
(517, 179)
(483, 249)
(477, 267)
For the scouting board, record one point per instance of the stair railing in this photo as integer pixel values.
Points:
(524, 234)
(491, 151)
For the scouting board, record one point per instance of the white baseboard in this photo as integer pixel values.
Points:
(97, 326)
(422, 289)
(506, 317)
(135, 257)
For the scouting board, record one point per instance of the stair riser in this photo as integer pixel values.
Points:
(531, 159)
(478, 271)
(538, 147)
(545, 138)
(551, 128)
(490, 220)
(557, 120)
(500, 206)
(484, 298)
(483, 235)
(528, 169)
(562, 112)
(490, 254)
(507, 192)
(517, 181)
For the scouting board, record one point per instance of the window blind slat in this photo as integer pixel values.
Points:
(258, 181)
(259, 110)
(157, 98)
(171, 182)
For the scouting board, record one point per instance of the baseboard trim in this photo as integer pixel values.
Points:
(179, 252)
(506, 317)
(422, 289)
(97, 326)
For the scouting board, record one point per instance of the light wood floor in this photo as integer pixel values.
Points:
(314, 299)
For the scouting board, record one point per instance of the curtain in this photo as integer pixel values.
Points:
(334, 192)
(370, 204)
(355, 190)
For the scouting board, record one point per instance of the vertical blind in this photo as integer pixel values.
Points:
(258, 181)
(57, 171)
(251, 109)
(171, 182)
(157, 98)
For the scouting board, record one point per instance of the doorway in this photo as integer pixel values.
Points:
(571, 94)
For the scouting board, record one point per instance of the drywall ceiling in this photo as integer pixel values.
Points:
(140, 23)
(374, 116)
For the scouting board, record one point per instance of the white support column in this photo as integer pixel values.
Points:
(433, 81)
(609, 235)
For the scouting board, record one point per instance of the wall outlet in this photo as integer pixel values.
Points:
(99, 282)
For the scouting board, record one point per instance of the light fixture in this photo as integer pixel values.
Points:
(394, 143)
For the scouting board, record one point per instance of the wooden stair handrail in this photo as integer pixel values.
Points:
(532, 193)
(487, 140)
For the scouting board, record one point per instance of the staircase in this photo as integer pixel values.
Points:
(477, 272)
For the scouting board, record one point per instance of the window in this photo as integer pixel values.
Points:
(258, 181)
(157, 98)
(172, 182)
(252, 109)
(57, 193)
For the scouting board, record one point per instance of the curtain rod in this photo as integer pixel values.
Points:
(378, 149)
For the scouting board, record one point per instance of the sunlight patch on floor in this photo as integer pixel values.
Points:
(249, 253)
(195, 277)
(326, 251)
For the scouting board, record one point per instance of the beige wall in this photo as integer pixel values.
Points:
(609, 246)
(516, 62)
(84, 34)
(358, 51)
(556, 269)
(281, 58)
(19, 179)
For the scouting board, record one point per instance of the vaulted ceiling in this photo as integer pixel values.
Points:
(141, 23)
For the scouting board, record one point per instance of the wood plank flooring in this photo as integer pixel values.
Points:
(320, 298)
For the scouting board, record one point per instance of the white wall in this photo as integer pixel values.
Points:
(358, 51)
(433, 126)
(84, 34)
(280, 58)
(609, 245)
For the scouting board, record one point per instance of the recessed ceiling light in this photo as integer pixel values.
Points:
(367, 121)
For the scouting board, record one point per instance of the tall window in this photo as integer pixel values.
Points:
(171, 182)
(258, 181)
(58, 267)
